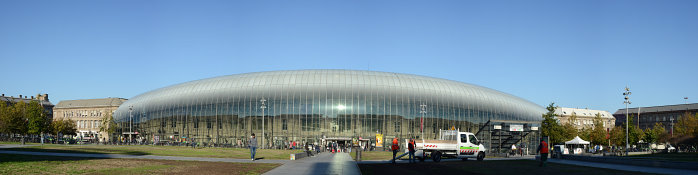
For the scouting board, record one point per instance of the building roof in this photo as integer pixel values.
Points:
(653, 109)
(238, 87)
(100, 102)
(26, 100)
(561, 111)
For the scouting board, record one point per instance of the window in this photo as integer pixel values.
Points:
(284, 124)
(208, 123)
(473, 140)
(174, 122)
(196, 122)
(397, 126)
(464, 138)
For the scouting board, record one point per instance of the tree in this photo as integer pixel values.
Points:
(598, 134)
(635, 134)
(550, 126)
(617, 136)
(653, 134)
(16, 120)
(108, 126)
(64, 127)
(37, 121)
(687, 125)
(4, 117)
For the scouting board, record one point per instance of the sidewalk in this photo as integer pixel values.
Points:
(324, 163)
(625, 167)
(124, 156)
(529, 157)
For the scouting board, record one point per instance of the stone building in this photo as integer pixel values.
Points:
(41, 98)
(646, 117)
(88, 115)
(585, 117)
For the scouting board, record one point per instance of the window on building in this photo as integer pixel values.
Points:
(397, 126)
(284, 125)
(208, 123)
(196, 122)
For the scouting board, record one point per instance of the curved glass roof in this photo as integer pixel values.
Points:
(263, 84)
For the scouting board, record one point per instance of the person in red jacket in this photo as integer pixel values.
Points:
(543, 149)
(395, 148)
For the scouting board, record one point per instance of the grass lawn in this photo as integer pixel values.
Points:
(30, 164)
(684, 157)
(376, 155)
(237, 153)
(484, 167)
(14, 143)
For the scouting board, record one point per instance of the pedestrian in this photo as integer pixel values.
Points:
(307, 149)
(410, 147)
(252, 144)
(395, 148)
(543, 149)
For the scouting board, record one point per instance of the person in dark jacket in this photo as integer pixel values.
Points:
(252, 143)
(410, 147)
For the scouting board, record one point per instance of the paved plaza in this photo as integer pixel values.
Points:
(337, 163)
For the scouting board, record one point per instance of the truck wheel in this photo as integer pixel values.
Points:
(480, 156)
(436, 157)
(421, 159)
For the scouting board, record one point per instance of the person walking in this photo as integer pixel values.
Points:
(543, 149)
(395, 148)
(410, 147)
(252, 143)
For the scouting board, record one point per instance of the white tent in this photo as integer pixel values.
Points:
(577, 141)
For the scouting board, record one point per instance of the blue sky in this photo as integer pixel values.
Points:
(574, 53)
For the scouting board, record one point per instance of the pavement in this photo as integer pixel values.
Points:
(625, 167)
(337, 163)
(324, 163)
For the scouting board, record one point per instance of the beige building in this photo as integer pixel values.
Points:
(87, 114)
(585, 117)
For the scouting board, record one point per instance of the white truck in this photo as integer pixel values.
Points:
(452, 144)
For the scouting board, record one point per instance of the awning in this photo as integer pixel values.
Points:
(577, 141)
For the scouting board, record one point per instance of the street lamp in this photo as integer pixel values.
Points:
(421, 122)
(627, 102)
(264, 106)
(130, 123)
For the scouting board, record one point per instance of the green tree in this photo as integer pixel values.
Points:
(653, 134)
(36, 117)
(17, 121)
(4, 117)
(108, 126)
(617, 136)
(687, 125)
(598, 133)
(64, 127)
(635, 134)
(550, 126)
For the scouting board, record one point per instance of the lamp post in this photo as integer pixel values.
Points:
(421, 122)
(627, 102)
(130, 122)
(263, 107)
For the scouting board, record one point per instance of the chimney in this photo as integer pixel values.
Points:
(3, 95)
(32, 97)
(20, 96)
(45, 97)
